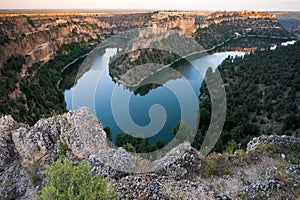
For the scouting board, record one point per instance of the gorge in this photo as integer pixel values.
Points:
(59, 94)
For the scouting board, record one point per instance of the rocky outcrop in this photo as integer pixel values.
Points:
(25, 150)
(179, 162)
(78, 130)
(174, 20)
(282, 142)
(113, 163)
(269, 169)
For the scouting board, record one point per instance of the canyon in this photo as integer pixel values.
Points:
(40, 41)
(36, 129)
(38, 36)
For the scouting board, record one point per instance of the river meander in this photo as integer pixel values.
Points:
(95, 89)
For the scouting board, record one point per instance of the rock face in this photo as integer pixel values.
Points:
(38, 37)
(25, 150)
(179, 162)
(78, 130)
(220, 16)
(84, 134)
(174, 20)
(6, 144)
(113, 163)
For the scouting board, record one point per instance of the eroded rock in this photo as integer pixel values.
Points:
(84, 133)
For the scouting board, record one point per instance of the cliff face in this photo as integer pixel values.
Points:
(269, 169)
(37, 37)
(174, 20)
(218, 17)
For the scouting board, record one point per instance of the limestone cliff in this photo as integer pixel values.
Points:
(37, 37)
(174, 20)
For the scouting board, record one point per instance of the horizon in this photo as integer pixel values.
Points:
(50, 10)
(141, 5)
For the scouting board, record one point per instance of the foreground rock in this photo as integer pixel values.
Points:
(25, 150)
(269, 169)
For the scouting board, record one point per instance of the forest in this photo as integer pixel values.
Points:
(39, 92)
(263, 97)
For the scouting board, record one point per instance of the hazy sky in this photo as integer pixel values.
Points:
(268, 5)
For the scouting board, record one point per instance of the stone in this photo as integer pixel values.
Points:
(178, 161)
(113, 162)
(84, 133)
(37, 142)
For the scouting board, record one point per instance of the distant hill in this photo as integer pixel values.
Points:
(290, 21)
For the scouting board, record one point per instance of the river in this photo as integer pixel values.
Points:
(96, 90)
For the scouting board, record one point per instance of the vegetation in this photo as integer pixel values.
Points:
(216, 165)
(262, 92)
(69, 75)
(66, 181)
(9, 78)
(143, 145)
(216, 33)
(39, 94)
(108, 133)
(122, 64)
(249, 44)
(137, 144)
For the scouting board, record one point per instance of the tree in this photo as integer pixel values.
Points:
(181, 132)
(108, 132)
(66, 181)
(129, 147)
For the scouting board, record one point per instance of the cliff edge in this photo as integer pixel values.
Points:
(268, 169)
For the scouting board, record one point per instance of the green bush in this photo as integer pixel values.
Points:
(66, 181)
(212, 166)
(231, 147)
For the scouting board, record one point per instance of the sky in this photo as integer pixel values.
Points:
(265, 5)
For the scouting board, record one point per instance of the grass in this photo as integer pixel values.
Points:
(62, 148)
(269, 147)
(212, 166)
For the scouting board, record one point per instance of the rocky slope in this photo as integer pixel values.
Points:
(269, 169)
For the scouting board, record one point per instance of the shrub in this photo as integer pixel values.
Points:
(231, 147)
(212, 166)
(66, 181)
(108, 133)
(62, 149)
